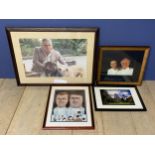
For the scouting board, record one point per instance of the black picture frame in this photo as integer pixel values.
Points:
(142, 109)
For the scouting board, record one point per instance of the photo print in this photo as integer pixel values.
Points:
(117, 97)
(52, 55)
(122, 65)
(112, 98)
(69, 107)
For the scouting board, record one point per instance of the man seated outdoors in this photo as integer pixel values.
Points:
(44, 55)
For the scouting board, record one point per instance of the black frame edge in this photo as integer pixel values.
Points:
(120, 110)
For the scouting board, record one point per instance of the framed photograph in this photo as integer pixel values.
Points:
(44, 56)
(122, 65)
(69, 107)
(118, 99)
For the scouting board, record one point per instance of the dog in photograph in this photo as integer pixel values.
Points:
(51, 69)
(71, 71)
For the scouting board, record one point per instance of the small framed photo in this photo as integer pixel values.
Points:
(44, 56)
(118, 99)
(69, 107)
(122, 65)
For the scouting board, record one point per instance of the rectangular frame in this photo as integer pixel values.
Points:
(14, 34)
(146, 50)
(137, 106)
(73, 125)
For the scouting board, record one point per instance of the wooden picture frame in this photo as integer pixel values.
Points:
(72, 61)
(66, 118)
(118, 98)
(112, 61)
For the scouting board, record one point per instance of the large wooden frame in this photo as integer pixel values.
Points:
(89, 34)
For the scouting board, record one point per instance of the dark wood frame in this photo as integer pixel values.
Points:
(47, 29)
(65, 127)
(146, 50)
(102, 109)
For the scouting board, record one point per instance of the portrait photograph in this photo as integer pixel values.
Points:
(53, 55)
(122, 65)
(69, 107)
(118, 98)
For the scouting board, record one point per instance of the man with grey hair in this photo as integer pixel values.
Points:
(126, 70)
(45, 53)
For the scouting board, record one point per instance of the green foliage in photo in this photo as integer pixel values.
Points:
(67, 47)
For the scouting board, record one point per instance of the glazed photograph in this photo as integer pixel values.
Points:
(69, 107)
(122, 65)
(52, 55)
(120, 68)
(118, 98)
